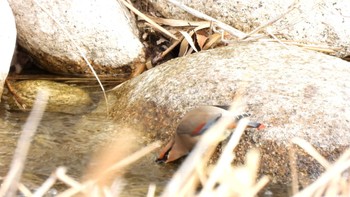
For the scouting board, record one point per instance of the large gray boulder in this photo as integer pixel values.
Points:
(105, 31)
(321, 23)
(295, 92)
(7, 40)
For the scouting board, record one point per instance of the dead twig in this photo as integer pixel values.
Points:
(19, 102)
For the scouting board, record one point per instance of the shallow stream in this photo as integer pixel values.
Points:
(70, 141)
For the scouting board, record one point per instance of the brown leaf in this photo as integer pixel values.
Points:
(212, 40)
(201, 39)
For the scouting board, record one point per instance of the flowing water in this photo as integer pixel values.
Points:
(70, 141)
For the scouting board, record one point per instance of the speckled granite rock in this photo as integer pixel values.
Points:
(320, 21)
(105, 31)
(63, 98)
(7, 40)
(295, 92)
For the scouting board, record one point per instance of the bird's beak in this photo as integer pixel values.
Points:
(256, 125)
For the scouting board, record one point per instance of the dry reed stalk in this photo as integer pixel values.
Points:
(201, 153)
(154, 24)
(333, 186)
(307, 147)
(79, 50)
(233, 31)
(263, 181)
(308, 45)
(226, 157)
(81, 187)
(177, 22)
(331, 182)
(293, 6)
(24, 190)
(151, 190)
(62, 176)
(293, 169)
(223, 179)
(324, 179)
(249, 36)
(109, 155)
(10, 184)
(45, 187)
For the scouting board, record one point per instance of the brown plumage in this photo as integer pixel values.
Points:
(192, 125)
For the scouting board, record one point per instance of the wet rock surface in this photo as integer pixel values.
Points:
(295, 92)
(63, 98)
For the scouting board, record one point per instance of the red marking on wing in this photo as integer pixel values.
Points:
(197, 130)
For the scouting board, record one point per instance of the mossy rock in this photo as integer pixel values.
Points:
(63, 98)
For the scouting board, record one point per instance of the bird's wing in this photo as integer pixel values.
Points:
(205, 125)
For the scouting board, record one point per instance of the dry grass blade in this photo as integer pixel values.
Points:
(167, 51)
(331, 178)
(295, 5)
(189, 40)
(293, 169)
(133, 157)
(323, 180)
(24, 190)
(45, 187)
(155, 25)
(310, 46)
(226, 155)
(10, 184)
(259, 185)
(18, 100)
(151, 190)
(333, 187)
(223, 179)
(328, 188)
(78, 49)
(91, 183)
(311, 151)
(278, 40)
(228, 28)
(183, 48)
(73, 191)
(201, 153)
(61, 175)
(177, 23)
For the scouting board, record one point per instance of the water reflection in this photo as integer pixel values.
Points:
(70, 141)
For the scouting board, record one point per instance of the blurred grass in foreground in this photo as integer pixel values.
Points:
(195, 177)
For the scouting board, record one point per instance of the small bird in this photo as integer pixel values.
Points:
(192, 125)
